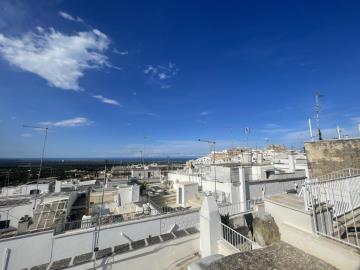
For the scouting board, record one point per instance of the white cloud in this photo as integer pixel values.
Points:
(272, 125)
(67, 16)
(152, 114)
(165, 86)
(159, 74)
(276, 130)
(201, 121)
(26, 135)
(204, 113)
(56, 57)
(124, 52)
(106, 100)
(74, 122)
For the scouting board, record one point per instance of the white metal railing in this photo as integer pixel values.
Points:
(342, 194)
(237, 208)
(349, 172)
(335, 205)
(104, 220)
(235, 239)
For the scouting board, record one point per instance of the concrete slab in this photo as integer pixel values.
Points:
(167, 236)
(60, 264)
(40, 267)
(153, 240)
(138, 244)
(179, 234)
(192, 230)
(102, 253)
(83, 258)
(121, 248)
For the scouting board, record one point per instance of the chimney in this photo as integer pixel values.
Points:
(24, 224)
(291, 158)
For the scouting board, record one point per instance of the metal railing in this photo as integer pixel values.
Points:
(235, 239)
(335, 205)
(162, 209)
(112, 219)
(104, 220)
(344, 173)
(237, 208)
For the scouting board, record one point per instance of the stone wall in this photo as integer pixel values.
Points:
(328, 156)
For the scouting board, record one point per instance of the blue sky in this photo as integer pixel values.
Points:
(111, 78)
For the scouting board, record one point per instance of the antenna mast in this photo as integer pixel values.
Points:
(213, 143)
(318, 109)
(42, 157)
(310, 130)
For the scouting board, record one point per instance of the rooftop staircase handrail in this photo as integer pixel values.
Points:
(235, 239)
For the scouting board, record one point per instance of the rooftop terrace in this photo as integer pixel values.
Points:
(279, 256)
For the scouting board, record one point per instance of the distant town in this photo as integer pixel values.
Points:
(234, 201)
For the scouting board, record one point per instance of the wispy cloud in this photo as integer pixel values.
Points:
(59, 58)
(276, 130)
(67, 16)
(204, 113)
(107, 100)
(160, 74)
(151, 114)
(74, 122)
(26, 135)
(144, 113)
(272, 125)
(200, 121)
(124, 52)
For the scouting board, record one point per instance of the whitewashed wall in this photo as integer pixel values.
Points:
(177, 177)
(271, 187)
(23, 190)
(42, 247)
(14, 213)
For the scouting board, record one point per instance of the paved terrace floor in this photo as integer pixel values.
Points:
(279, 256)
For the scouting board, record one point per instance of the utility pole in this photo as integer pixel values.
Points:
(317, 110)
(42, 157)
(213, 143)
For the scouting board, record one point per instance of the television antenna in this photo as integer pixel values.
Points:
(318, 95)
(42, 156)
(213, 143)
(247, 132)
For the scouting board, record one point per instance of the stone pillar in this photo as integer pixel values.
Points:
(210, 228)
(292, 161)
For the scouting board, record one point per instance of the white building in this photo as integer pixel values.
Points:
(235, 183)
(32, 188)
